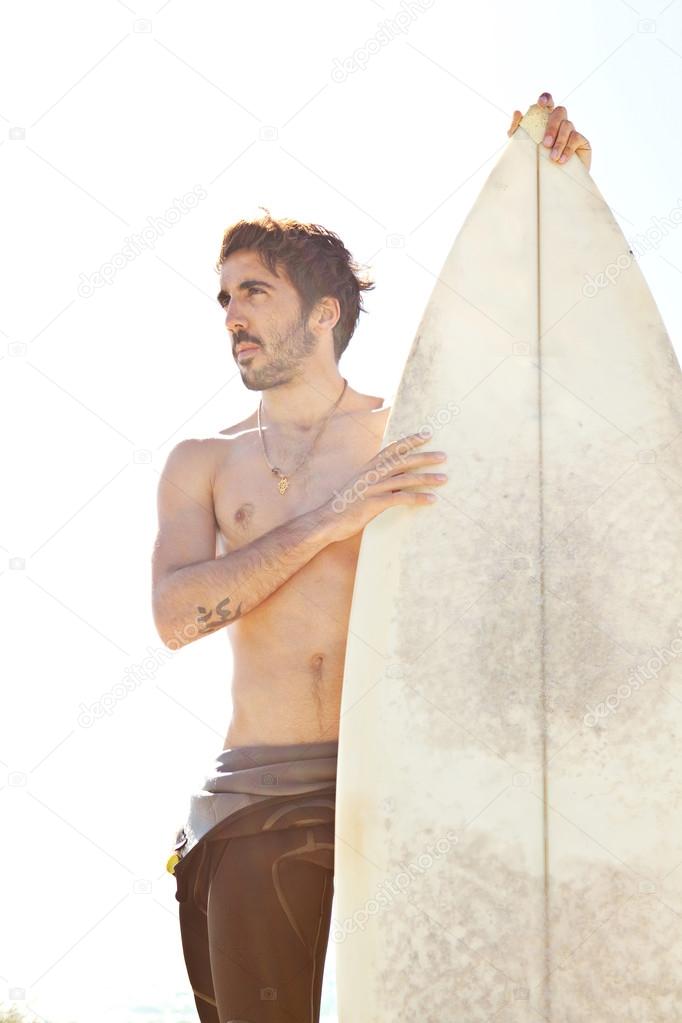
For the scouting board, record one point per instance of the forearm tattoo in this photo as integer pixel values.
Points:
(207, 623)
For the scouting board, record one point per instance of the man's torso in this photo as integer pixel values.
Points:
(289, 650)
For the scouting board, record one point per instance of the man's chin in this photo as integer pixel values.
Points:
(251, 383)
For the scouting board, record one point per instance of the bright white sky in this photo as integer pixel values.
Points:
(102, 127)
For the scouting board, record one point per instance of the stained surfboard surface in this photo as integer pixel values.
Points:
(509, 790)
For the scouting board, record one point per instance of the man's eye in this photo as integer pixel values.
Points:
(226, 301)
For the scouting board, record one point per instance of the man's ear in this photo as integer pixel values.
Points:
(328, 312)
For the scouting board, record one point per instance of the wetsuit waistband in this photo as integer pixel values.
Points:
(244, 776)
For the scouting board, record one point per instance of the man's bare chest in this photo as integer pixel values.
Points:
(247, 499)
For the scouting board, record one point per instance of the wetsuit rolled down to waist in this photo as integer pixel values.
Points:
(254, 870)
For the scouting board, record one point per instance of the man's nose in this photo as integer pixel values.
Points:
(235, 320)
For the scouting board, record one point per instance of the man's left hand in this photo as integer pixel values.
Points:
(560, 133)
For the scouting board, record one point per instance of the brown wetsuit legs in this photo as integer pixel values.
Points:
(255, 913)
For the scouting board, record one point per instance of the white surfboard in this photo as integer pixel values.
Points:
(509, 790)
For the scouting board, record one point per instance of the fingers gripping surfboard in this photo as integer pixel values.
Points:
(509, 790)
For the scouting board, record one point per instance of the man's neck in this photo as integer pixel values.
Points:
(301, 404)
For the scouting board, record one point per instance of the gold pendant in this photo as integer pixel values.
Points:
(283, 484)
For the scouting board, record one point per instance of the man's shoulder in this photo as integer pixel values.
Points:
(382, 409)
(195, 453)
(197, 446)
(218, 440)
(367, 412)
(373, 415)
(371, 404)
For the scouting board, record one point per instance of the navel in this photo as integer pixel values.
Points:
(316, 662)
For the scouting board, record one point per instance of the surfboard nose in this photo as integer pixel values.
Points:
(534, 122)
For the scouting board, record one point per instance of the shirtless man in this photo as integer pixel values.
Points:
(259, 533)
(281, 587)
(282, 590)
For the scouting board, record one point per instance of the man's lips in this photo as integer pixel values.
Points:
(246, 348)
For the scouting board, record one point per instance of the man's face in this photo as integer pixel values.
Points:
(263, 311)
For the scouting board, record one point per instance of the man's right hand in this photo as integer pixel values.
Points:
(387, 480)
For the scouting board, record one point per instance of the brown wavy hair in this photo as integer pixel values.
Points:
(315, 259)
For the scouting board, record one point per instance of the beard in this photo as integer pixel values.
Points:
(281, 360)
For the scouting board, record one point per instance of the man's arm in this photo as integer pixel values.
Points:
(195, 593)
